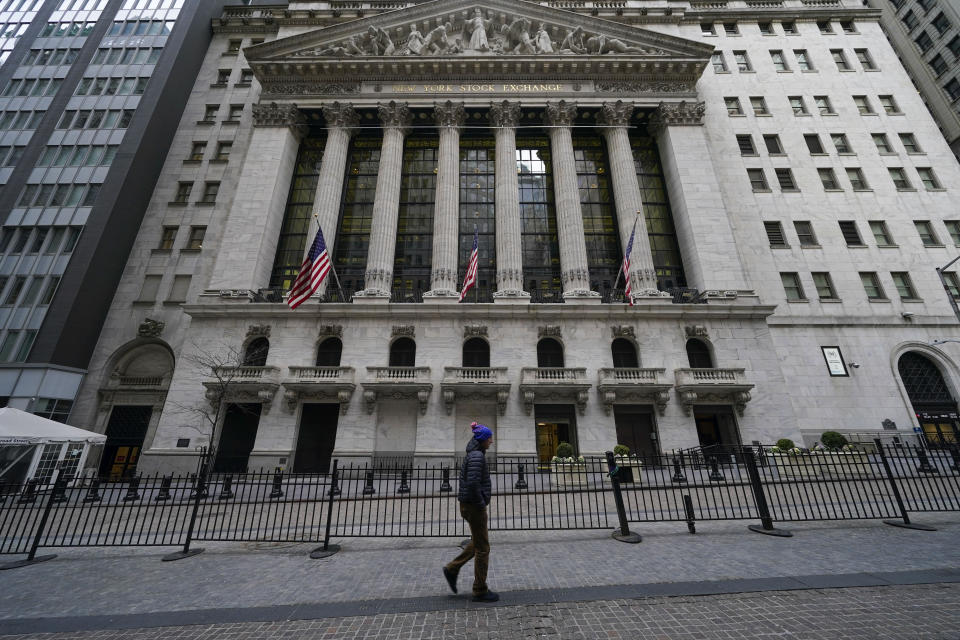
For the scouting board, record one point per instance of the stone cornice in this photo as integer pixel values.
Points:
(676, 114)
(279, 115)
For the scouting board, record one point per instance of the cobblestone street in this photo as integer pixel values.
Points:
(855, 579)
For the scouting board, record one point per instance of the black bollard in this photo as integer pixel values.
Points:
(404, 487)
(60, 489)
(688, 510)
(445, 480)
(925, 466)
(226, 492)
(678, 476)
(521, 479)
(29, 495)
(368, 486)
(715, 475)
(199, 487)
(133, 490)
(93, 493)
(334, 489)
(277, 485)
(164, 493)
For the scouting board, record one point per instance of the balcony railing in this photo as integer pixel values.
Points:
(247, 374)
(632, 384)
(483, 381)
(140, 381)
(552, 382)
(453, 375)
(631, 375)
(708, 385)
(322, 374)
(399, 374)
(551, 375)
(710, 377)
(321, 383)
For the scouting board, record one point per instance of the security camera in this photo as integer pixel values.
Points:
(907, 314)
(854, 365)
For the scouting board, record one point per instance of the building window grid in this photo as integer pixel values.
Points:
(772, 142)
(414, 237)
(803, 60)
(865, 59)
(733, 106)
(743, 61)
(779, 61)
(823, 105)
(745, 144)
(168, 236)
(759, 106)
(824, 285)
(805, 234)
(840, 58)
(857, 180)
(758, 181)
(850, 233)
(881, 234)
(928, 178)
(904, 285)
(899, 178)
(195, 239)
(799, 106)
(841, 143)
(775, 236)
(792, 286)
(785, 179)
(828, 178)
(356, 217)
(927, 235)
(882, 142)
(953, 228)
(719, 62)
(872, 286)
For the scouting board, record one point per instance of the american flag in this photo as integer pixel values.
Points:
(626, 265)
(471, 278)
(312, 272)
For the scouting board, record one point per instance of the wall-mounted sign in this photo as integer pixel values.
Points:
(835, 364)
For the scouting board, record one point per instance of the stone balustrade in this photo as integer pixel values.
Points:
(712, 386)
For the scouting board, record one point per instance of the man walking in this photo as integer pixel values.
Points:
(474, 496)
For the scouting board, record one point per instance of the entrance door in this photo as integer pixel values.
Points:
(635, 429)
(940, 430)
(317, 438)
(717, 428)
(126, 430)
(237, 438)
(555, 424)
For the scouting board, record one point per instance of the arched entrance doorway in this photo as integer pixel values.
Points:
(931, 398)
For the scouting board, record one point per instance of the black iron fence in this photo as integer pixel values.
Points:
(396, 498)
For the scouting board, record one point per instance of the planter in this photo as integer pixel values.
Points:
(794, 466)
(843, 464)
(568, 475)
(631, 466)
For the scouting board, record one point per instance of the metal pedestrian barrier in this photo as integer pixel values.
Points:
(398, 498)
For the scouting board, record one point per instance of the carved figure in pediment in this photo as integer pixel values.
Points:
(573, 42)
(518, 37)
(476, 28)
(542, 42)
(601, 44)
(415, 41)
(436, 41)
(378, 42)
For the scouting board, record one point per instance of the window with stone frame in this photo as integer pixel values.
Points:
(707, 29)
(889, 105)
(954, 46)
(210, 191)
(235, 113)
(924, 41)
(953, 89)
(828, 178)
(792, 287)
(233, 47)
(766, 28)
(745, 144)
(824, 284)
(825, 26)
(857, 179)
(927, 235)
(196, 151)
(840, 58)
(246, 78)
(899, 178)
(182, 195)
(733, 106)
(850, 233)
(928, 178)
(805, 234)
(872, 286)
(719, 62)
(823, 105)
(789, 28)
(772, 142)
(881, 234)
(759, 106)
(223, 151)
(841, 143)
(785, 179)
(742, 60)
(731, 29)
(779, 61)
(910, 20)
(414, 237)
(941, 23)
(758, 181)
(210, 112)
(882, 143)
(538, 218)
(600, 226)
(195, 239)
(866, 60)
(223, 78)
(803, 60)
(798, 105)
(953, 284)
(774, 231)
(938, 64)
(904, 285)
(863, 105)
(953, 228)
(167, 237)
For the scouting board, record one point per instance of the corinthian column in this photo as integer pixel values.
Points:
(626, 192)
(449, 117)
(573, 246)
(341, 120)
(504, 117)
(249, 241)
(386, 203)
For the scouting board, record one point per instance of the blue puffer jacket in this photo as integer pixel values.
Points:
(474, 476)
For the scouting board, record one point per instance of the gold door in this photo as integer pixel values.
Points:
(547, 441)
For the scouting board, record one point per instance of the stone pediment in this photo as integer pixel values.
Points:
(487, 38)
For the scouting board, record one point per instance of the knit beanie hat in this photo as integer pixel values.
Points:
(480, 431)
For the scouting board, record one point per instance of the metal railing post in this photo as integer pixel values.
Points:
(905, 523)
(763, 509)
(688, 510)
(623, 534)
(521, 482)
(199, 493)
(32, 558)
(328, 549)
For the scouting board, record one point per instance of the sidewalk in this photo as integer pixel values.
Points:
(394, 576)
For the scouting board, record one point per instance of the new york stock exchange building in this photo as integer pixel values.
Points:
(791, 193)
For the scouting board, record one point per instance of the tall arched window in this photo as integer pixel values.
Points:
(549, 353)
(403, 353)
(476, 353)
(328, 353)
(256, 353)
(924, 382)
(698, 354)
(624, 354)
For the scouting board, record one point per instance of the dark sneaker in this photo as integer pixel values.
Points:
(451, 579)
(489, 596)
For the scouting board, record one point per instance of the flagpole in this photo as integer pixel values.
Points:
(620, 272)
(332, 268)
(476, 289)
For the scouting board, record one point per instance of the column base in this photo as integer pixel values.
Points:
(582, 296)
(442, 296)
(511, 296)
(371, 296)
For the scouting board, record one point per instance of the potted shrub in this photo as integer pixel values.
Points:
(839, 459)
(568, 471)
(790, 461)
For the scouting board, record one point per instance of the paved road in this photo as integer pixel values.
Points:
(392, 587)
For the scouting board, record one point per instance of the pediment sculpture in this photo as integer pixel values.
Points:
(479, 35)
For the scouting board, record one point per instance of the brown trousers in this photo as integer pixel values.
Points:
(478, 549)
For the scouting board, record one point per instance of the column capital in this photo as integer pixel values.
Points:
(279, 115)
(561, 114)
(504, 114)
(681, 113)
(395, 115)
(449, 114)
(616, 114)
(340, 115)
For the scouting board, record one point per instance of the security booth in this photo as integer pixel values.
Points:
(32, 447)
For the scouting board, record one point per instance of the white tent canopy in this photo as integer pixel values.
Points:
(20, 427)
